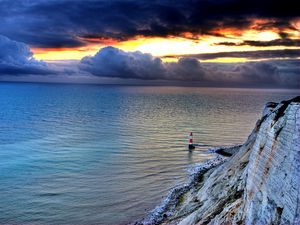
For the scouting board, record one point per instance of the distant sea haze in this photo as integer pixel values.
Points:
(92, 154)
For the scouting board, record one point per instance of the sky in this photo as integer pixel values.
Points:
(234, 43)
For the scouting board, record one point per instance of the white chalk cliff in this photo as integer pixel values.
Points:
(258, 184)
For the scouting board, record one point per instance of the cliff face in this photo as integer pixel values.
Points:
(259, 184)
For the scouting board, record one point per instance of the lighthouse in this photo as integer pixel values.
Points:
(191, 145)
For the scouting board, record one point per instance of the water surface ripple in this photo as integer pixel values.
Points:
(86, 154)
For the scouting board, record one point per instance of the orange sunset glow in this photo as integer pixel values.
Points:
(184, 44)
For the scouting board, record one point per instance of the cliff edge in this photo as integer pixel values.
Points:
(258, 184)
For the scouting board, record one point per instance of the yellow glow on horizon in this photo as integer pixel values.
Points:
(169, 59)
(172, 46)
(253, 35)
(227, 60)
(65, 54)
(59, 55)
(207, 44)
(159, 46)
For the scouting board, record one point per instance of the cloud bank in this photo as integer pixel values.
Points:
(112, 62)
(65, 23)
(17, 59)
(277, 42)
(259, 54)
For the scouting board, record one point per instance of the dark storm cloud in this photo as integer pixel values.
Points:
(112, 62)
(17, 59)
(277, 42)
(259, 54)
(58, 23)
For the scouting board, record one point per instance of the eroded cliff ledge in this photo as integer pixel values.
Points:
(258, 184)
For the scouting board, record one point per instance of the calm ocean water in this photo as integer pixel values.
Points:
(86, 154)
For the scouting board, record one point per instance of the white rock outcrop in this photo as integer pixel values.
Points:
(259, 184)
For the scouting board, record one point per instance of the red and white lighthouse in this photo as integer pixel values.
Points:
(191, 145)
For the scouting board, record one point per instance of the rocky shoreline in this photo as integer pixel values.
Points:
(254, 183)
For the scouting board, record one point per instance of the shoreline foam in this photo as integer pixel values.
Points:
(168, 206)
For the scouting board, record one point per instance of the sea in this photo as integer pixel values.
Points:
(108, 154)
